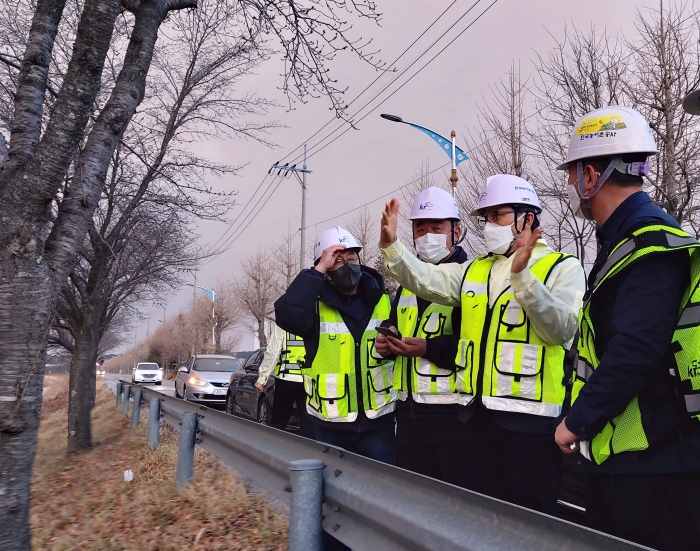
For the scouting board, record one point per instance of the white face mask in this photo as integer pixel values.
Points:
(499, 239)
(575, 202)
(432, 247)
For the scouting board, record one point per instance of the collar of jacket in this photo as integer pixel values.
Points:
(371, 288)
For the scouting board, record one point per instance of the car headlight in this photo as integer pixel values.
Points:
(194, 381)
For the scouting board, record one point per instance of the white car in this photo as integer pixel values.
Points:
(147, 372)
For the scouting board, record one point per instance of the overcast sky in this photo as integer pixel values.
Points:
(381, 156)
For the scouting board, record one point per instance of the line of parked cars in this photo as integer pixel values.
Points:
(221, 380)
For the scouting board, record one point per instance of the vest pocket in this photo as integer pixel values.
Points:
(513, 323)
(380, 385)
(374, 358)
(517, 370)
(465, 365)
(332, 393)
(431, 379)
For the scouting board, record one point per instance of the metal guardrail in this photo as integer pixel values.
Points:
(371, 506)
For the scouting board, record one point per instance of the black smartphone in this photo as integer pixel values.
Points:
(388, 333)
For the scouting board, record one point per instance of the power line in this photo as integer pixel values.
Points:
(381, 196)
(397, 77)
(402, 85)
(230, 228)
(373, 82)
(333, 119)
(233, 237)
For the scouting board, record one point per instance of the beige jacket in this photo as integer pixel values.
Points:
(552, 307)
(271, 357)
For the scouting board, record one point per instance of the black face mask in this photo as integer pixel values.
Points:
(346, 277)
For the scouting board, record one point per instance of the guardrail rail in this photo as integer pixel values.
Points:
(367, 505)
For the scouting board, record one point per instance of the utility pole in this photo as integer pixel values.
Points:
(302, 252)
(213, 323)
(288, 170)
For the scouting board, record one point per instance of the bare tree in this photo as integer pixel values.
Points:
(285, 255)
(583, 72)
(65, 153)
(363, 226)
(665, 57)
(257, 291)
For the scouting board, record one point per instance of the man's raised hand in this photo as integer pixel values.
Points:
(524, 251)
(390, 222)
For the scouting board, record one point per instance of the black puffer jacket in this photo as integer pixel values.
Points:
(296, 312)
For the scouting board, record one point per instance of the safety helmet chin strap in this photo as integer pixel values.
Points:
(517, 231)
(586, 198)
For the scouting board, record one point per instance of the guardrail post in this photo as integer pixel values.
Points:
(305, 533)
(185, 452)
(136, 412)
(119, 393)
(126, 392)
(154, 423)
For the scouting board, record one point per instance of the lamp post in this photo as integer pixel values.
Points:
(213, 296)
(456, 154)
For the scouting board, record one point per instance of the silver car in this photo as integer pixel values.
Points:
(205, 377)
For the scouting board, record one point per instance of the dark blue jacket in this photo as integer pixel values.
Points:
(296, 312)
(633, 315)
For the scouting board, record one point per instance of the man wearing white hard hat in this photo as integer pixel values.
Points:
(430, 438)
(636, 394)
(519, 306)
(336, 307)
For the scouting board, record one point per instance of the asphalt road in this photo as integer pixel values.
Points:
(167, 387)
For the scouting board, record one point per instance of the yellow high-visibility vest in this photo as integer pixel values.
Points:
(627, 432)
(291, 357)
(330, 381)
(500, 356)
(430, 384)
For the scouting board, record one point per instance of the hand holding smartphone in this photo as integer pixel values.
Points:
(388, 333)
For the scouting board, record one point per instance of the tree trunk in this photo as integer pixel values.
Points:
(25, 303)
(262, 338)
(82, 385)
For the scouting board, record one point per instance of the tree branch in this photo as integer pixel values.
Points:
(33, 77)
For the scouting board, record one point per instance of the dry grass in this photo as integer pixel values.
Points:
(82, 502)
(54, 384)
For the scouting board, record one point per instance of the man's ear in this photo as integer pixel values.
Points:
(590, 177)
(529, 220)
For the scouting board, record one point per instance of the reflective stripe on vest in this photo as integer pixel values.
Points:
(430, 384)
(626, 432)
(331, 381)
(500, 355)
(291, 358)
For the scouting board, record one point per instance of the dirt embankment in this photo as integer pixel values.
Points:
(82, 501)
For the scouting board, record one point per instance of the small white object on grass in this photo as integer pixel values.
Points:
(128, 475)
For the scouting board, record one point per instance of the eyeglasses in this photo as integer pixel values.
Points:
(351, 258)
(493, 216)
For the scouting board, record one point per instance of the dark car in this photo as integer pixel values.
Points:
(244, 400)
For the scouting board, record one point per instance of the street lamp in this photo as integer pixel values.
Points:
(213, 296)
(456, 154)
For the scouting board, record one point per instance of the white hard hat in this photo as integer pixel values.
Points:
(607, 132)
(691, 103)
(334, 236)
(506, 189)
(434, 203)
